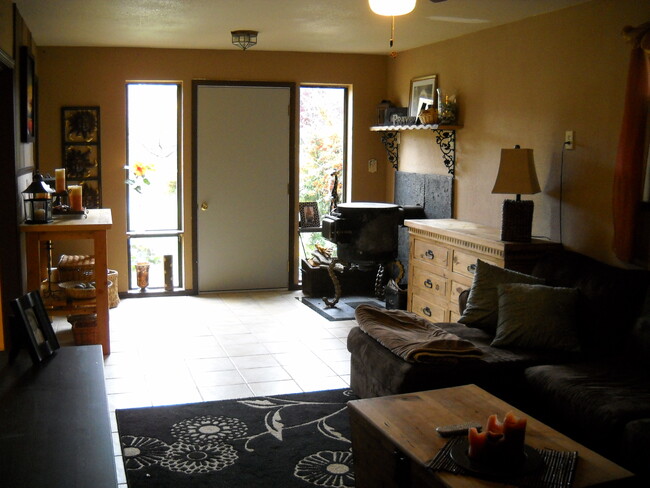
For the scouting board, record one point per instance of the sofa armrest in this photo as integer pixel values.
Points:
(462, 300)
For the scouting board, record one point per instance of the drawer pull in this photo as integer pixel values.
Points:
(426, 311)
(472, 268)
(428, 283)
(429, 254)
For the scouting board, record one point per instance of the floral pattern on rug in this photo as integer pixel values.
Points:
(206, 444)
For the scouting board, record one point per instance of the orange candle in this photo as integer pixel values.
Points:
(75, 197)
(59, 180)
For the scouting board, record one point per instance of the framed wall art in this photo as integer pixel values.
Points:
(27, 96)
(423, 94)
(32, 317)
(81, 146)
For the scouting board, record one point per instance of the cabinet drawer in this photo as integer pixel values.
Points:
(427, 309)
(430, 253)
(429, 282)
(465, 264)
(456, 289)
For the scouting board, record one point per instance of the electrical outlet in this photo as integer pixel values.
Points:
(372, 165)
(568, 139)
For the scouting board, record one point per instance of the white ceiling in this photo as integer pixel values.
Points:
(340, 26)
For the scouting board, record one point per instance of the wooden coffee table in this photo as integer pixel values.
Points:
(394, 437)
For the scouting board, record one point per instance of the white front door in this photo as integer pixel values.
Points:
(243, 160)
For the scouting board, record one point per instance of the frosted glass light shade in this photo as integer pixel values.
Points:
(392, 7)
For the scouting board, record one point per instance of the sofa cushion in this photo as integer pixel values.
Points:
(611, 298)
(537, 317)
(483, 302)
(376, 371)
(594, 399)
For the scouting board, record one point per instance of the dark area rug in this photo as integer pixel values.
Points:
(344, 309)
(298, 440)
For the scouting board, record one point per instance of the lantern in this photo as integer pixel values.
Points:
(38, 202)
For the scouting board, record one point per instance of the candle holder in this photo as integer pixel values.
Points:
(142, 273)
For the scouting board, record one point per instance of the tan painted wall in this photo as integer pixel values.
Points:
(527, 83)
(7, 27)
(97, 76)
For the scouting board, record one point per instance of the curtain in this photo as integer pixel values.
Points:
(629, 167)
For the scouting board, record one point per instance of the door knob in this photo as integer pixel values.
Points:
(204, 206)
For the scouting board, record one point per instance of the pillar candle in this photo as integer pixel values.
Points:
(76, 197)
(59, 179)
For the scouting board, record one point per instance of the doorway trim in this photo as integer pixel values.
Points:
(291, 190)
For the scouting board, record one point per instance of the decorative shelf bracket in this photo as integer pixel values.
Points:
(446, 140)
(390, 140)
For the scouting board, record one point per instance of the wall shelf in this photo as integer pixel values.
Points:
(445, 138)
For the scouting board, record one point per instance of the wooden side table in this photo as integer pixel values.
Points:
(442, 261)
(93, 227)
(394, 437)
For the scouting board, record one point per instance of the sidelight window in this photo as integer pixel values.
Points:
(152, 176)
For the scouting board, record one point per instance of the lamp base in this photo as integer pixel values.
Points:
(517, 220)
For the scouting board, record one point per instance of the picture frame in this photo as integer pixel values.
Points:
(309, 215)
(31, 316)
(423, 94)
(27, 102)
(80, 124)
(80, 161)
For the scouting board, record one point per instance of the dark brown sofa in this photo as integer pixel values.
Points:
(600, 396)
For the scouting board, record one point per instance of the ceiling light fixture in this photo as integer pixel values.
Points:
(244, 38)
(392, 8)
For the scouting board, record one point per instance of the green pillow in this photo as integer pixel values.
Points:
(483, 303)
(537, 317)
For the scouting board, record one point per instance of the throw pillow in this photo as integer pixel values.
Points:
(483, 303)
(537, 317)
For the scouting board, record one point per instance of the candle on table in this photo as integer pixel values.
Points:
(59, 180)
(514, 432)
(39, 214)
(76, 197)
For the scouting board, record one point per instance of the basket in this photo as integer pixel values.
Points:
(76, 268)
(84, 329)
(428, 116)
(75, 290)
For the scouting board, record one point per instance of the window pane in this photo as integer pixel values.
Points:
(152, 250)
(153, 156)
(322, 153)
(322, 149)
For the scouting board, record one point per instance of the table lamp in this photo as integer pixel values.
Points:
(517, 175)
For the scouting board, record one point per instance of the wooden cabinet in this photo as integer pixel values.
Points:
(442, 262)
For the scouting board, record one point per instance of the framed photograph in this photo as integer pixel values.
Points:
(32, 317)
(423, 94)
(27, 96)
(396, 115)
(80, 124)
(309, 215)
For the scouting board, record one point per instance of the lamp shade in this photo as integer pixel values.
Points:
(516, 173)
(391, 7)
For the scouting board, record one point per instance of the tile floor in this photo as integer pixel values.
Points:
(170, 350)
